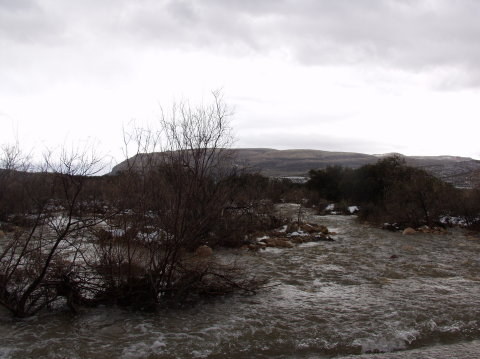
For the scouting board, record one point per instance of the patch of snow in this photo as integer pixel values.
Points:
(152, 236)
(297, 234)
(117, 232)
(283, 229)
(330, 207)
(453, 220)
(102, 224)
(58, 222)
(353, 209)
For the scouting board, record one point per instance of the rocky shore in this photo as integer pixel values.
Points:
(288, 236)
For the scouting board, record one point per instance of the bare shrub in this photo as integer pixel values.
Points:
(38, 262)
(14, 165)
(171, 194)
(130, 238)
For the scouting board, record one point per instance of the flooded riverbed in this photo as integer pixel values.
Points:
(367, 292)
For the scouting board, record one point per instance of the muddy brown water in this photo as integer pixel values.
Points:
(342, 299)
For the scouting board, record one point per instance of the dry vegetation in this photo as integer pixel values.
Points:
(140, 238)
(391, 191)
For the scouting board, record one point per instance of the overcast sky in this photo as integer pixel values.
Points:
(370, 76)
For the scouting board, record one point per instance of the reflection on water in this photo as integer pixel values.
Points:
(349, 299)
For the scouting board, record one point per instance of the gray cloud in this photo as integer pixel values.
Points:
(26, 21)
(413, 35)
(72, 48)
(409, 34)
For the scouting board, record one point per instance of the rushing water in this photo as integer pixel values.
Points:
(345, 299)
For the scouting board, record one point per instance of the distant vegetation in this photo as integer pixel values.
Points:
(462, 172)
(391, 191)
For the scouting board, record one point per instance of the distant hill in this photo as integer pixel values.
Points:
(463, 172)
(460, 171)
(285, 163)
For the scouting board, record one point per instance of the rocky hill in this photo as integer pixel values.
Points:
(461, 171)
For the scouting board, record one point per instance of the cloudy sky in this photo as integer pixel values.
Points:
(371, 76)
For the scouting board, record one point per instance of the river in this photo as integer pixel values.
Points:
(370, 291)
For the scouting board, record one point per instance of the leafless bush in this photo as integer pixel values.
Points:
(466, 204)
(128, 239)
(14, 165)
(39, 259)
(171, 195)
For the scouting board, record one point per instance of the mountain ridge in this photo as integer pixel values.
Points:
(460, 171)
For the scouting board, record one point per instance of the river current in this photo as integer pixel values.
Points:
(369, 294)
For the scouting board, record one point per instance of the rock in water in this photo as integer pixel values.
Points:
(408, 231)
(204, 251)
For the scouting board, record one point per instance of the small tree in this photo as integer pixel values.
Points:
(417, 198)
(172, 194)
